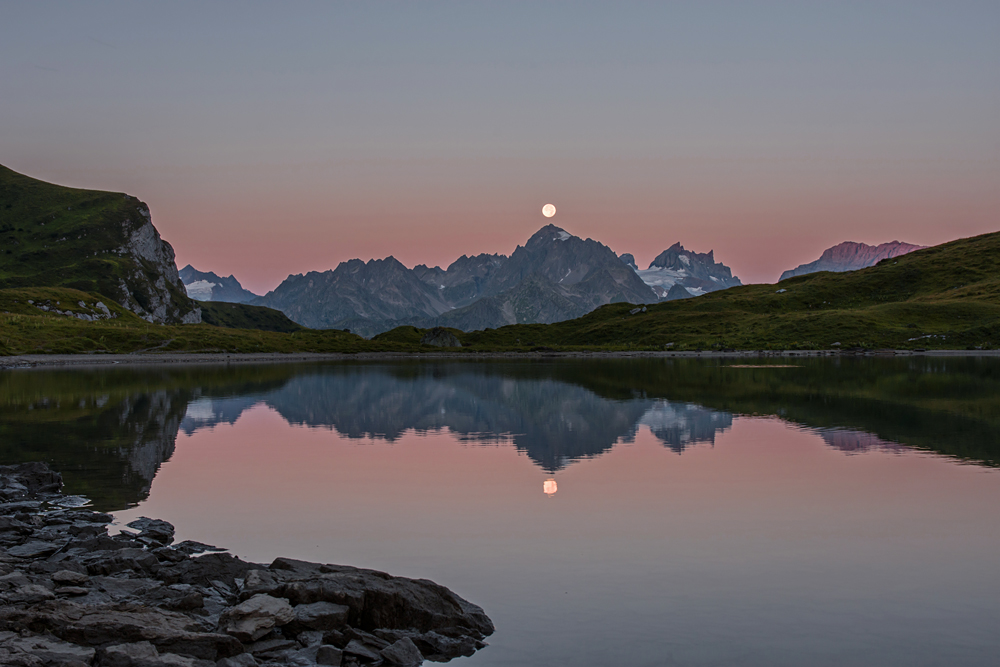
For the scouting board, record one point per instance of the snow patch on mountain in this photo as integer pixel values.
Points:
(200, 290)
(664, 279)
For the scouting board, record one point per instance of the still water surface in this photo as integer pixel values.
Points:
(640, 512)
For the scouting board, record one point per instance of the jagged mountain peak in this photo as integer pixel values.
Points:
(548, 234)
(677, 257)
(696, 273)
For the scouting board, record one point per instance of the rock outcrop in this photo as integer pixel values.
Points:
(152, 289)
(440, 337)
(850, 256)
(72, 595)
(92, 241)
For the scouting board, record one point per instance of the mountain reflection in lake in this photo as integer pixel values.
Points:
(639, 512)
(553, 422)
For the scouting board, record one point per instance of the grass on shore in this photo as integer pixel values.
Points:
(26, 329)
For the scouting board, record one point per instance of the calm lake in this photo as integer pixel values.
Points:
(612, 512)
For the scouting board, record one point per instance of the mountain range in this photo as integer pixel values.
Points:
(207, 286)
(850, 256)
(554, 276)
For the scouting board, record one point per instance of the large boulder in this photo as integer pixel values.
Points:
(254, 618)
(100, 625)
(440, 337)
(375, 599)
(321, 615)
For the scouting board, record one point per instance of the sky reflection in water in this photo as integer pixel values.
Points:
(610, 524)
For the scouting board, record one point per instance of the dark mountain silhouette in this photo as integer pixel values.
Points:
(366, 297)
(555, 276)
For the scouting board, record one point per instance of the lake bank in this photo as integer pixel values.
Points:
(89, 360)
(74, 595)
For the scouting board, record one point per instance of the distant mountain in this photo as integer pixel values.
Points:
(696, 273)
(207, 286)
(464, 281)
(676, 291)
(365, 297)
(850, 256)
(555, 276)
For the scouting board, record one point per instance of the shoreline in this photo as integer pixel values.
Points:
(192, 358)
(74, 595)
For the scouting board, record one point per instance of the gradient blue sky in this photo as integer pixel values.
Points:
(275, 138)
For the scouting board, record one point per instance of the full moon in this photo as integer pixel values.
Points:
(549, 487)
(548, 210)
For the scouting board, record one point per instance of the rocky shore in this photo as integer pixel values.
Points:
(73, 595)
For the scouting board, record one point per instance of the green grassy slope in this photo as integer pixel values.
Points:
(25, 329)
(947, 296)
(54, 236)
(245, 316)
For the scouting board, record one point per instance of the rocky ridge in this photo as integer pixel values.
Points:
(678, 273)
(72, 595)
(850, 256)
(207, 286)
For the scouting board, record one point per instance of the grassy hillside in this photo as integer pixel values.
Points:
(945, 297)
(25, 328)
(244, 316)
(54, 236)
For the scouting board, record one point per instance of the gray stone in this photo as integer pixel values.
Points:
(322, 615)
(169, 632)
(173, 660)
(271, 645)
(34, 549)
(242, 660)
(31, 594)
(404, 652)
(72, 590)
(329, 655)
(128, 655)
(15, 579)
(310, 638)
(69, 577)
(51, 650)
(354, 647)
(251, 620)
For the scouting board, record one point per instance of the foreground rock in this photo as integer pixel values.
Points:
(72, 595)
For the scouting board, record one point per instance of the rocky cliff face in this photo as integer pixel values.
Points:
(850, 256)
(92, 241)
(151, 287)
(695, 273)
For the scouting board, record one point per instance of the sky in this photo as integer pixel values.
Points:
(277, 138)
